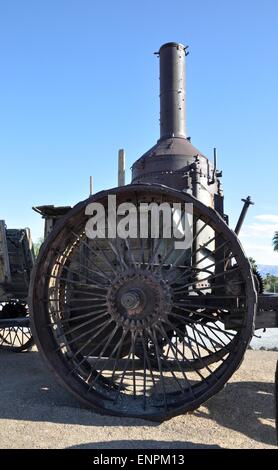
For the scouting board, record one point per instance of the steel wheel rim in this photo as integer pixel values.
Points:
(99, 396)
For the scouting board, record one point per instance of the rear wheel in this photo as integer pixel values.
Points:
(137, 327)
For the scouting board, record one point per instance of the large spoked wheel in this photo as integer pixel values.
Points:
(15, 337)
(138, 327)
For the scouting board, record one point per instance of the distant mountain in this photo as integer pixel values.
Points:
(264, 269)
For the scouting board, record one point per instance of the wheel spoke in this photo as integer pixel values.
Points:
(174, 352)
(124, 372)
(152, 333)
(77, 338)
(82, 324)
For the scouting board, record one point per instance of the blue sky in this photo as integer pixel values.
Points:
(79, 81)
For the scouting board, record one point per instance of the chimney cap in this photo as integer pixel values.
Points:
(173, 44)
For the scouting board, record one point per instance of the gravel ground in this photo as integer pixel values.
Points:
(36, 413)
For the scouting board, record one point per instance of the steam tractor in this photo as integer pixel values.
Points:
(133, 325)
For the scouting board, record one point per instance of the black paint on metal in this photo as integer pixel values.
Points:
(14, 322)
(172, 90)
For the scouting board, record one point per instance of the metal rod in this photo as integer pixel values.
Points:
(214, 164)
(215, 158)
(15, 322)
(121, 167)
(91, 185)
(247, 203)
(212, 181)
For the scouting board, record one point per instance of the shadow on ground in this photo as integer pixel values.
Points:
(244, 407)
(146, 444)
(29, 392)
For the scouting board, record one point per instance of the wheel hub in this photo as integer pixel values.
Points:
(133, 300)
(138, 299)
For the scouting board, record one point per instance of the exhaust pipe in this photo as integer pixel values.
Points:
(172, 90)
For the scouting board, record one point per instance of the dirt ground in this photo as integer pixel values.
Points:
(36, 413)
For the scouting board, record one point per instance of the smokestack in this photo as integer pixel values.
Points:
(172, 90)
